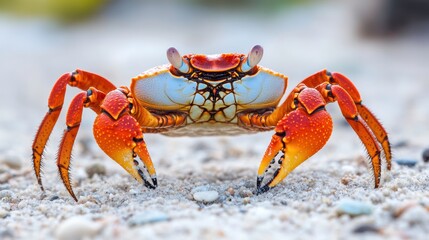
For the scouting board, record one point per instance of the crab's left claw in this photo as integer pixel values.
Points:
(120, 137)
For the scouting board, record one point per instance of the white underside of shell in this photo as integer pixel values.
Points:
(159, 90)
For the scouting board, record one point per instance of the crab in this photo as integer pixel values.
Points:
(201, 95)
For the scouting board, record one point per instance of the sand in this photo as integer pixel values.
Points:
(207, 185)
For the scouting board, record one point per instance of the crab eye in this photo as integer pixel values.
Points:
(252, 59)
(177, 61)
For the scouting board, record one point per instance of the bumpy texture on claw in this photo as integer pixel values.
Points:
(119, 135)
(298, 136)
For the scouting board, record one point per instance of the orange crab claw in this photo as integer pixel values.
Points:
(298, 136)
(121, 138)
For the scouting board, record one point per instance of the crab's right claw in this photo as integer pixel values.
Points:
(298, 136)
(120, 137)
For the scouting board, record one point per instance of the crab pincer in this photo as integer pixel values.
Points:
(121, 138)
(299, 135)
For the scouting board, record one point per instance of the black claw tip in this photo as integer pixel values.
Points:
(262, 189)
(149, 185)
(146, 182)
(155, 182)
(259, 180)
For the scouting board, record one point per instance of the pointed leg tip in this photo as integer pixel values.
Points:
(73, 195)
(39, 181)
(376, 185)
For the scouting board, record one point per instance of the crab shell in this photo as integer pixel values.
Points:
(212, 91)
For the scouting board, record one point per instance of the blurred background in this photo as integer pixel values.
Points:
(382, 45)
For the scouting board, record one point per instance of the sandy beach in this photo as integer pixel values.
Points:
(207, 184)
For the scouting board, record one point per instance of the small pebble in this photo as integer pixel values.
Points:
(148, 217)
(4, 177)
(53, 198)
(347, 169)
(425, 155)
(365, 228)
(244, 192)
(7, 195)
(400, 210)
(345, 180)
(206, 196)
(230, 191)
(78, 227)
(376, 197)
(3, 213)
(246, 200)
(401, 143)
(406, 162)
(416, 216)
(353, 208)
(11, 162)
(95, 168)
(6, 233)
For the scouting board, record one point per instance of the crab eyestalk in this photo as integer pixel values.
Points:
(177, 61)
(252, 59)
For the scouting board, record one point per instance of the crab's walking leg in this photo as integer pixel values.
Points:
(350, 112)
(378, 130)
(79, 79)
(375, 126)
(120, 136)
(92, 98)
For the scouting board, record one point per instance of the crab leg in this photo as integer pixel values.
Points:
(350, 112)
(90, 98)
(79, 79)
(378, 131)
(375, 126)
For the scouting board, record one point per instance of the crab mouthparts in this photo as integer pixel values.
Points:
(216, 76)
